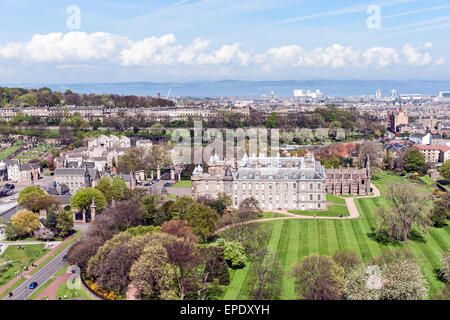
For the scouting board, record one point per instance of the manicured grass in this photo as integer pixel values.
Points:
(183, 184)
(171, 196)
(427, 180)
(273, 215)
(294, 239)
(336, 200)
(332, 211)
(65, 293)
(30, 253)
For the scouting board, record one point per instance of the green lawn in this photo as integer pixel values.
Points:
(273, 215)
(183, 184)
(7, 152)
(336, 200)
(295, 239)
(332, 211)
(30, 253)
(65, 293)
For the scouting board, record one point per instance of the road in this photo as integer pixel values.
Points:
(46, 272)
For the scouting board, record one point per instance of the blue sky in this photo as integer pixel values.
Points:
(182, 40)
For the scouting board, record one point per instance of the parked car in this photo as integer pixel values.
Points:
(139, 183)
(65, 257)
(33, 285)
(167, 184)
(147, 184)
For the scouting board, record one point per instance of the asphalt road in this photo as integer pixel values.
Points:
(7, 215)
(22, 292)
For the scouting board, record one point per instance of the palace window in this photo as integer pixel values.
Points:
(311, 197)
(318, 186)
(311, 186)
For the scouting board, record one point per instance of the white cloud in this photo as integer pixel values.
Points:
(381, 57)
(82, 48)
(338, 56)
(414, 56)
(58, 47)
(226, 54)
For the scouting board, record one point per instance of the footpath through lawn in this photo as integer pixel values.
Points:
(295, 239)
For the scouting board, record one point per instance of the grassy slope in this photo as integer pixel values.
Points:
(296, 239)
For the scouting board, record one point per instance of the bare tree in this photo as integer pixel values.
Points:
(407, 209)
(267, 274)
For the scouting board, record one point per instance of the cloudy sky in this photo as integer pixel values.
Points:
(181, 40)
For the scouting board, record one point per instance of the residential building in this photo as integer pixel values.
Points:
(434, 154)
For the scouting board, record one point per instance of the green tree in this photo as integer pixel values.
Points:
(319, 278)
(29, 189)
(153, 274)
(414, 161)
(271, 120)
(28, 99)
(445, 169)
(202, 219)
(233, 252)
(112, 188)
(82, 200)
(132, 161)
(25, 222)
(64, 223)
(440, 213)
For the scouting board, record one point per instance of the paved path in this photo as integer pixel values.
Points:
(349, 201)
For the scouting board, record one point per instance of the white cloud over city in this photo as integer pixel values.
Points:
(83, 48)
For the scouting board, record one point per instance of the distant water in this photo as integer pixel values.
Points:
(331, 88)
